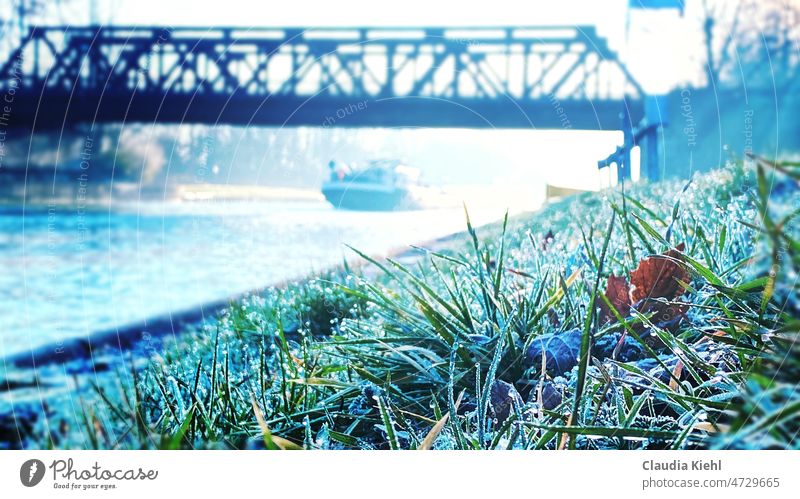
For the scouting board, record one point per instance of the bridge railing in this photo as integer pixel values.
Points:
(645, 133)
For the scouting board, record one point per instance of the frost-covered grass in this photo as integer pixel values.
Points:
(435, 355)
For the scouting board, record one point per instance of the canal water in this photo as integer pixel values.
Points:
(65, 274)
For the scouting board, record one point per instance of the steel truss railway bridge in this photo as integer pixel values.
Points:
(522, 77)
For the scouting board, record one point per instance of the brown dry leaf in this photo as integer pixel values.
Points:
(659, 276)
(712, 428)
(676, 373)
(427, 444)
(617, 292)
(552, 316)
(279, 442)
(519, 273)
(565, 437)
(297, 361)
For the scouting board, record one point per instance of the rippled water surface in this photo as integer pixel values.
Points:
(66, 274)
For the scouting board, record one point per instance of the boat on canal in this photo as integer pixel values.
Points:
(382, 185)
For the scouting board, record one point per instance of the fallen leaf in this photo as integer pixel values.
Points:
(520, 273)
(618, 293)
(272, 442)
(712, 428)
(552, 316)
(659, 276)
(565, 436)
(427, 443)
(547, 240)
(676, 375)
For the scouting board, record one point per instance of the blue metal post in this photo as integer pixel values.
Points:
(624, 164)
(656, 117)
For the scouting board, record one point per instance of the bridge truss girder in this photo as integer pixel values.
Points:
(517, 77)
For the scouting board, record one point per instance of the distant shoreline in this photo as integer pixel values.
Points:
(101, 198)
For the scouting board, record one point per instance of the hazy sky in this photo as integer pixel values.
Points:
(661, 47)
(360, 12)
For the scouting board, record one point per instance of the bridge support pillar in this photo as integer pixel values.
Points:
(651, 152)
(655, 119)
(628, 142)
